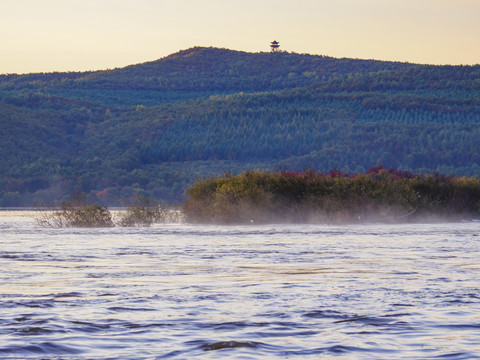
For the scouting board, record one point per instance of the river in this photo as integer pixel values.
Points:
(179, 291)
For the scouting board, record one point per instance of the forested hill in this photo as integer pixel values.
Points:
(155, 127)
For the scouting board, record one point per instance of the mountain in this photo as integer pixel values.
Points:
(155, 127)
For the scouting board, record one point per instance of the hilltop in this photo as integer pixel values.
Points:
(155, 127)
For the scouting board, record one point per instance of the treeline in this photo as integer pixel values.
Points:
(379, 195)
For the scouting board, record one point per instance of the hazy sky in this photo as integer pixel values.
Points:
(74, 35)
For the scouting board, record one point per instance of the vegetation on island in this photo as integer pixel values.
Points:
(154, 128)
(259, 197)
(379, 195)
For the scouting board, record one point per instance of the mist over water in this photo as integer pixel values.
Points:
(181, 291)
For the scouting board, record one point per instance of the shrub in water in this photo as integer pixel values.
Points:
(77, 213)
(143, 211)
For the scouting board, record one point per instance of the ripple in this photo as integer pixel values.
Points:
(229, 345)
(365, 320)
(88, 327)
(42, 304)
(233, 326)
(460, 326)
(44, 348)
(334, 350)
(326, 314)
(127, 309)
(456, 356)
(28, 331)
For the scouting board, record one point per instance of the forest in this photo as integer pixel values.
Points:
(152, 129)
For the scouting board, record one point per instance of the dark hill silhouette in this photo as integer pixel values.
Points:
(154, 127)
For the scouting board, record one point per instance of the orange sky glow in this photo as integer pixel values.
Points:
(80, 35)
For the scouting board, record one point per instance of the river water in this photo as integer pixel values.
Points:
(179, 291)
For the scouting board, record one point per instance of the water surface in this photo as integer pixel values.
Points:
(180, 291)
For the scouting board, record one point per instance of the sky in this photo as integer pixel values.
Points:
(81, 35)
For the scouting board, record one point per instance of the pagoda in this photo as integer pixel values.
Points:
(274, 45)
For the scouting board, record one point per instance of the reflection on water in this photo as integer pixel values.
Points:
(182, 291)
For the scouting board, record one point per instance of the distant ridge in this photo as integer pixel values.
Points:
(209, 61)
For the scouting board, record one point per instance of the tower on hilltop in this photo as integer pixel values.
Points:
(274, 45)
